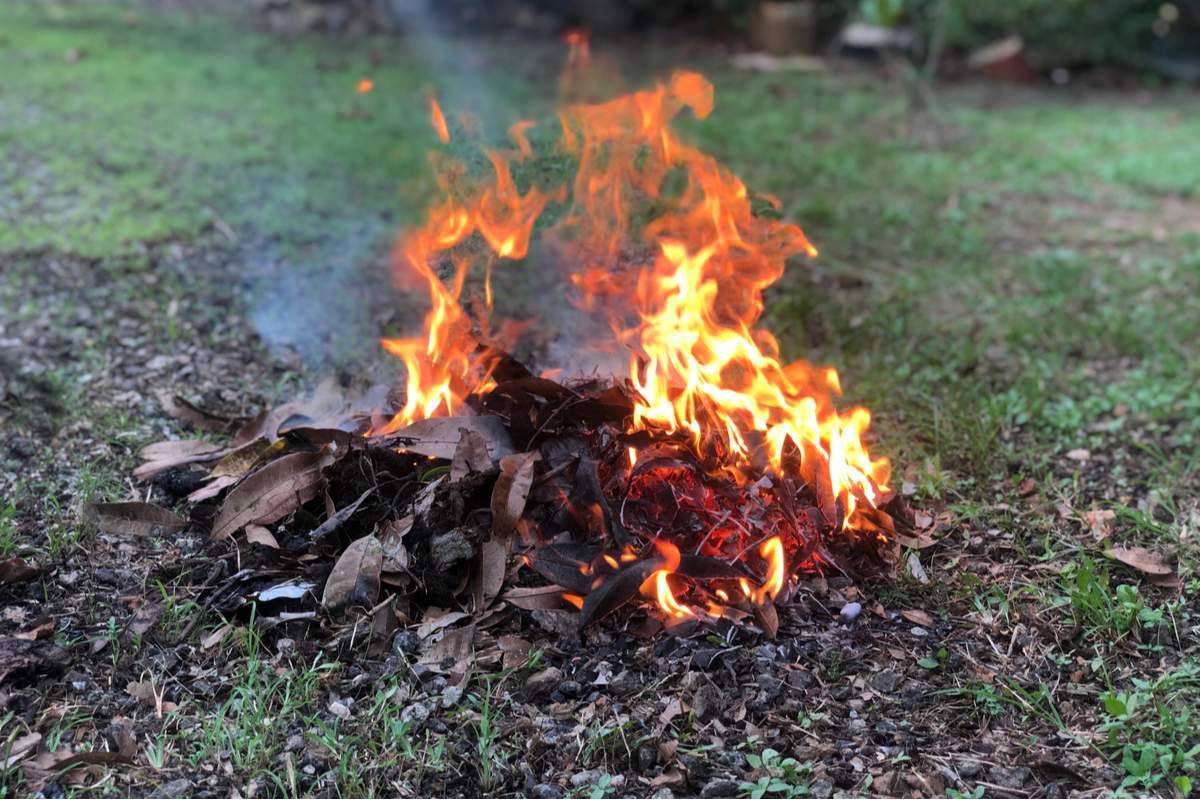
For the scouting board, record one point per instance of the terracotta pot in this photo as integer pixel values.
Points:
(1004, 61)
(784, 28)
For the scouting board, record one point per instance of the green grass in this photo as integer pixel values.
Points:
(1151, 728)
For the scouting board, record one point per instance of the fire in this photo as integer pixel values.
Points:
(687, 311)
(772, 551)
(438, 119)
(666, 600)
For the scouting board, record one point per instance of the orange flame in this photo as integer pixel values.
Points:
(666, 600)
(438, 119)
(689, 314)
(772, 550)
(365, 85)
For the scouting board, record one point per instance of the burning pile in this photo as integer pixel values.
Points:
(707, 477)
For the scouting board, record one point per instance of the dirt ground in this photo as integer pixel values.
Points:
(190, 206)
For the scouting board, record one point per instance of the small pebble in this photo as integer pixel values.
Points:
(544, 681)
(406, 642)
(586, 778)
(850, 612)
(415, 713)
(451, 696)
(720, 787)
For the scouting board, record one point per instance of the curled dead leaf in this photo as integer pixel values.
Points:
(186, 411)
(1100, 522)
(19, 749)
(240, 460)
(438, 618)
(355, 576)
(16, 570)
(534, 597)
(339, 518)
(257, 534)
(212, 489)
(917, 617)
(492, 563)
(512, 491)
(767, 618)
(1141, 559)
(162, 456)
(135, 519)
(471, 455)
(271, 493)
(438, 437)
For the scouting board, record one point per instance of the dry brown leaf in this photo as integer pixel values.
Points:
(355, 576)
(673, 710)
(672, 778)
(20, 748)
(31, 657)
(185, 411)
(16, 570)
(120, 730)
(1172, 581)
(212, 489)
(216, 637)
(42, 630)
(435, 621)
(143, 620)
(493, 562)
(1100, 522)
(257, 534)
(924, 539)
(395, 554)
(438, 437)
(471, 455)
(162, 456)
(768, 618)
(453, 643)
(516, 651)
(533, 597)
(512, 491)
(254, 428)
(135, 519)
(240, 460)
(142, 691)
(917, 617)
(338, 518)
(174, 449)
(1141, 559)
(271, 493)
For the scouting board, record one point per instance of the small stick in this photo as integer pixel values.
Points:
(211, 601)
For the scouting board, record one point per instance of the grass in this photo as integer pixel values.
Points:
(1151, 727)
(1002, 286)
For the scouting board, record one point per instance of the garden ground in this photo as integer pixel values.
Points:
(1012, 285)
